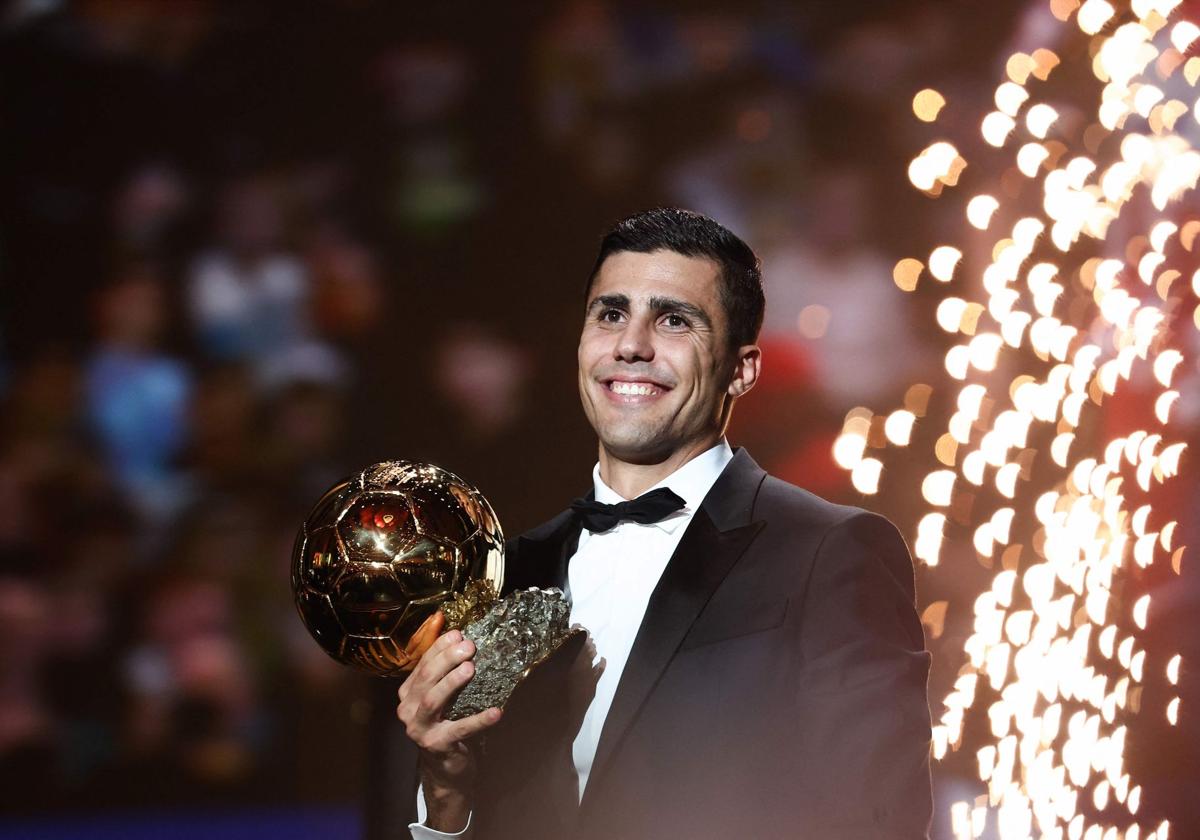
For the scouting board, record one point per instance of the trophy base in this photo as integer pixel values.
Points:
(517, 635)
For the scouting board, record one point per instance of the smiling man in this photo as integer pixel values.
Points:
(760, 666)
(660, 363)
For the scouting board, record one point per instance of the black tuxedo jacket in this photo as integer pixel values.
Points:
(776, 687)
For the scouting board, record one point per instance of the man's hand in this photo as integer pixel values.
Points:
(447, 756)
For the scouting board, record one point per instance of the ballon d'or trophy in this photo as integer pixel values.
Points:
(384, 551)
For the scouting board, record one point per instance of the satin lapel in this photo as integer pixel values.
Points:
(718, 535)
(541, 555)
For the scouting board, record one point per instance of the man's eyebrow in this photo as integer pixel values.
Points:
(609, 302)
(682, 307)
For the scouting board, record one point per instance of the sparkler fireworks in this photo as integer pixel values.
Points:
(1074, 304)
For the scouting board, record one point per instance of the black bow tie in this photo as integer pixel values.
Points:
(646, 508)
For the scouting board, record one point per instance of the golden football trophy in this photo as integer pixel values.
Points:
(402, 551)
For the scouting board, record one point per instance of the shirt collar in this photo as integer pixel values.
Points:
(691, 482)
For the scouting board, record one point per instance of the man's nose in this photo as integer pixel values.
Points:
(636, 342)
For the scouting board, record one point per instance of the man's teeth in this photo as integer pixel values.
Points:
(633, 388)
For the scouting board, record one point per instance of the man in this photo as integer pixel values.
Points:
(762, 669)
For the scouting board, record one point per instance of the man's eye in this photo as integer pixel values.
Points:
(610, 315)
(675, 321)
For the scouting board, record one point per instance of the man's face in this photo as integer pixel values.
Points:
(655, 367)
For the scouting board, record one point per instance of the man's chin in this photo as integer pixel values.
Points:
(644, 449)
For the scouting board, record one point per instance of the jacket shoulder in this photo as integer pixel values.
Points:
(777, 499)
(545, 531)
(795, 509)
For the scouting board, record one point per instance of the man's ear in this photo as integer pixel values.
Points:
(747, 365)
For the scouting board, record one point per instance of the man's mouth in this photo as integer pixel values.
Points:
(641, 389)
(633, 388)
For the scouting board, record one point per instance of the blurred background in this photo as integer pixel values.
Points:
(248, 247)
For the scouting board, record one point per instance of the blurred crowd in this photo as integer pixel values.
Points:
(153, 479)
(248, 248)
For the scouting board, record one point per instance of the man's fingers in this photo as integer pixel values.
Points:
(421, 673)
(461, 730)
(429, 687)
(436, 665)
(439, 644)
(445, 654)
(444, 641)
(425, 636)
(448, 736)
(435, 700)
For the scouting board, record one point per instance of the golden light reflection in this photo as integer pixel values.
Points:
(980, 210)
(927, 104)
(813, 321)
(1057, 318)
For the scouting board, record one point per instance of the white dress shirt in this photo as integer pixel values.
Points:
(610, 578)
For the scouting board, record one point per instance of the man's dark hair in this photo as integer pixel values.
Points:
(695, 235)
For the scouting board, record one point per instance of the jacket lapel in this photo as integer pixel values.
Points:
(539, 558)
(717, 536)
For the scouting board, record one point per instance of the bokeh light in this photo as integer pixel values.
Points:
(1066, 314)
